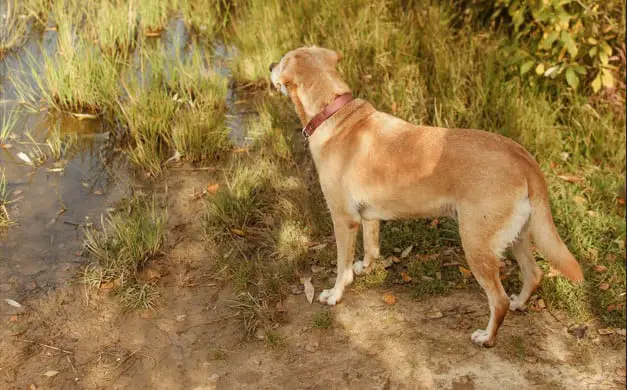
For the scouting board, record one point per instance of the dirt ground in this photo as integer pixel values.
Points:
(195, 339)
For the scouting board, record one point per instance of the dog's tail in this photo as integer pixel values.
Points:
(544, 233)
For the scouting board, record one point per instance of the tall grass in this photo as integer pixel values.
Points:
(114, 25)
(5, 219)
(13, 27)
(8, 123)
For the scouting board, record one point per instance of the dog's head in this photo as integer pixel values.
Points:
(308, 75)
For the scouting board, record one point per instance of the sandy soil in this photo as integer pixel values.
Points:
(195, 340)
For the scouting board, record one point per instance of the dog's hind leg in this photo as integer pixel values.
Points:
(486, 229)
(345, 229)
(529, 268)
(371, 247)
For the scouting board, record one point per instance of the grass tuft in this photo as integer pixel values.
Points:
(128, 239)
(13, 27)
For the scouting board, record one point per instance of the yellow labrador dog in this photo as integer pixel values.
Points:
(373, 166)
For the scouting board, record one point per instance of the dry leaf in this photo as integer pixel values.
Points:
(213, 188)
(571, 178)
(13, 303)
(604, 286)
(387, 263)
(395, 259)
(541, 304)
(605, 331)
(24, 157)
(238, 232)
(600, 268)
(389, 299)
(620, 201)
(51, 373)
(435, 223)
(434, 314)
(465, 272)
(579, 199)
(107, 285)
(97, 192)
(406, 278)
(318, 247)
(406, 251)
(309, 288)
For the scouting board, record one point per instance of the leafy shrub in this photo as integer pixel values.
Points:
(572, 41)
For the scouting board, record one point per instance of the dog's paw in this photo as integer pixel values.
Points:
(516, 303)
(359, 268)
(481, 338)
(330, 297)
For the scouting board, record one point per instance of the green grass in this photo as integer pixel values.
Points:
(153, 15)
(388, 47)
(323, 319)
(13, 27)
(128, 239)
(113, 26)
(8, 123)
(5, 219)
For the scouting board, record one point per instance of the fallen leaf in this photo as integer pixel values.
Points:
(605, 331)
(571, 178)
(24, 157)
(395, 259)
(406, 251)
(97, 192)
(397, 250)
(611, 308)
(387, 263)
(600, 268)
(434, 314)
(592, 213)
(564, 156)
(579, 200)
(406, 278)
(318, 247)
(107, 285)
(435, 223)
(309, 288)
(13, 303)
(621, 201)
(604, 286)
(51, 373)
(213, 188)
(389, 299)
(465, 272)
(238, 232)
(541, 304)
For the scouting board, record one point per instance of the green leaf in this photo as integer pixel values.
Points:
(580, 69)
(596, 83)
(571, 78)
(540, 68)
(605, 48)
(567, 40)
(552, 71)
(592, 52)
(607, 79)
(526, 67)
(604, 58)
(548, 41)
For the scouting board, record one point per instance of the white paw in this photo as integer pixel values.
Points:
(515, 303)
(481, 338)
(359, 268)
(348, 277)
(330, 297)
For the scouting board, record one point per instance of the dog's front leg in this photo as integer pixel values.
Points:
(371, 247)
(345, 229)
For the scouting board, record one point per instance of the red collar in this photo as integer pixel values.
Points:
(328, 110)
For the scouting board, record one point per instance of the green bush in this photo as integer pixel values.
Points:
(579, 43)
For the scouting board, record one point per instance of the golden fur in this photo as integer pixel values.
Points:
(373, 166)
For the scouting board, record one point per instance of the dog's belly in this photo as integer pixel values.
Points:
(399, 208)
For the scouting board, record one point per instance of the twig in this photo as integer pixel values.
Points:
(210, 169)
(215, 321)
(71, 223)
(71, 364)
(45, 346)
(454, 264)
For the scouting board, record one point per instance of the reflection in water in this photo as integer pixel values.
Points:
(86, 177)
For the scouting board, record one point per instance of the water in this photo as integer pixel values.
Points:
(51, 206)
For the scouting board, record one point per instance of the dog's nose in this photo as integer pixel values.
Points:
(272, 65)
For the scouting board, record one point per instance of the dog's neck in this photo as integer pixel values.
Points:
(311, 100)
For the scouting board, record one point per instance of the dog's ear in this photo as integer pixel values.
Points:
(332, 56)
